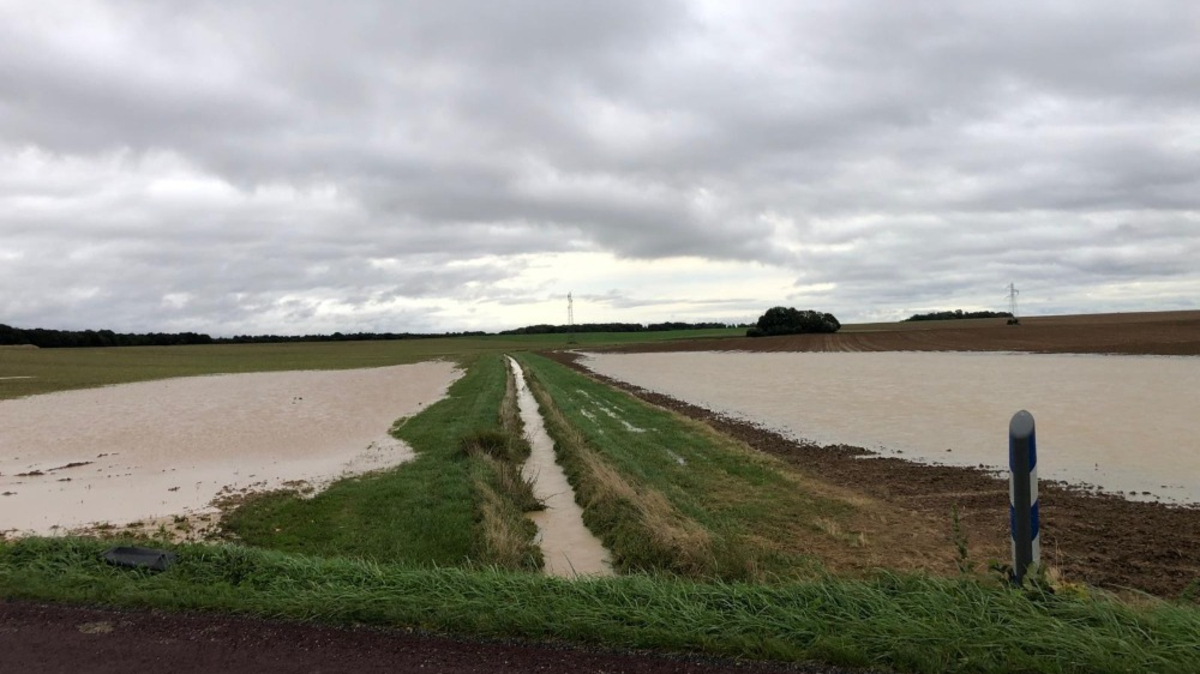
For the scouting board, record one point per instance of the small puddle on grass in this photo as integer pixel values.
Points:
(569, 549)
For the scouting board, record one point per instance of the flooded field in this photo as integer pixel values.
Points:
(139, 451)
(1124, 423)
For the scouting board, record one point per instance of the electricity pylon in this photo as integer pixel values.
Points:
(570, 319)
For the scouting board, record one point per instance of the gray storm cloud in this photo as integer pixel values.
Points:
(295, 167)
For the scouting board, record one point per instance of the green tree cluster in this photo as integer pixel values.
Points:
(790, 321)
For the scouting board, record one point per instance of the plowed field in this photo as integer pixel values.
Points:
(1158, 333)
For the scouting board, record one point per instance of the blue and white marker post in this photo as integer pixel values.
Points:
(1023, 494)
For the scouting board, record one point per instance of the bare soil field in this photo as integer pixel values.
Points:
(1099, 539)
(1152, 333)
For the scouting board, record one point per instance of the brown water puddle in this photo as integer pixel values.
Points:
(568, 547)
(136, 452)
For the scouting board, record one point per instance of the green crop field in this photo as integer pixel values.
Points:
(25, 372)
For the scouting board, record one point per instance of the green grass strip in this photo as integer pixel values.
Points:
(422, 512)
(749, 508)
(909, 623)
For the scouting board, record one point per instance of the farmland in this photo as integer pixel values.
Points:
(727, 543)
(1175, 333)
(25, 371)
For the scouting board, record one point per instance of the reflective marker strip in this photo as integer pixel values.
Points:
(1033, 500)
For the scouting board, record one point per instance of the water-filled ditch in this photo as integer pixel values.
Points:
(568, 547)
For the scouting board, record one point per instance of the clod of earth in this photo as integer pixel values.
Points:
(74, 464)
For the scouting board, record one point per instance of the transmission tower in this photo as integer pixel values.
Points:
(570, 319)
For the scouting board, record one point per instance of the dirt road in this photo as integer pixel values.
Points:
(40, 639)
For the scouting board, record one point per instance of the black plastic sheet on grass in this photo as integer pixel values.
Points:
(139, 558)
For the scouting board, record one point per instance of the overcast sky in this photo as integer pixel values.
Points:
(299, 167)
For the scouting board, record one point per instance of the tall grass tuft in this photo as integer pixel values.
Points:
(502, 495)
(507, 537)
(511, 422)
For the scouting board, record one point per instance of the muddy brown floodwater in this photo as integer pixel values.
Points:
(1123, 423)
(152, 449)
(1100, 539)
(568, 547)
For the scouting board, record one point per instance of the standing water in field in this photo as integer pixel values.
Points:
(149, 450)
(1127, 424)
(568, 548)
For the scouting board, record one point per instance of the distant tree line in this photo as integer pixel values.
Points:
(340, 337)
(546, 329)
(957, 313)
(51, 339)
(55, 339)
(791, 321)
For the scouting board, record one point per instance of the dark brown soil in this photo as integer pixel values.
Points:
(50, 639)
(1099, 539)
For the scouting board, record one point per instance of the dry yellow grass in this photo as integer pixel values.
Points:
(505, 535)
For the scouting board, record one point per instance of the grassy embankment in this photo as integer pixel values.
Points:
(666, 493)
(911, 624)
(460, 501)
